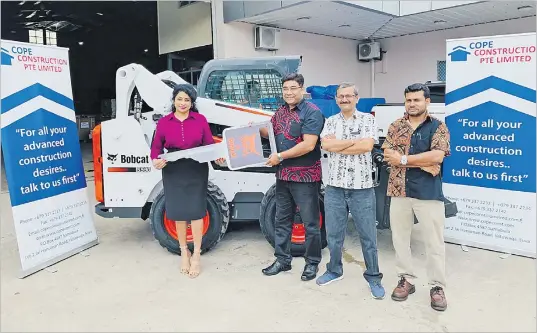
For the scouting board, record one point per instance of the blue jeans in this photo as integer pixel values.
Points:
(361, 204)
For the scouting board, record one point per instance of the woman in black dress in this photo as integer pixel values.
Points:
(185, 180)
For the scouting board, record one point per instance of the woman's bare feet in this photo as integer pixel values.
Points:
(185, 260)
(195, 264)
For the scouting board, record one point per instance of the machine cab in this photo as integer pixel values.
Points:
(252, 82)
(248, 82)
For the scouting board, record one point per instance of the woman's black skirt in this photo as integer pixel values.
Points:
(185, 189)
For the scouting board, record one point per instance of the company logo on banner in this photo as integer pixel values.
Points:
(6, 58)
(43, 162)
(486, 53)
(459, 53)
(490, 113)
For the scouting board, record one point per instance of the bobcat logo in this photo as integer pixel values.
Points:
(112, 158)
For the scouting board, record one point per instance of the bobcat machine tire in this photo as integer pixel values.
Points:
(267, 220)
(215, 223)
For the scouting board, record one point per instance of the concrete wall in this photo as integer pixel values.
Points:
(404, 63)
(326, 60)
(329, 60)
(183, 28)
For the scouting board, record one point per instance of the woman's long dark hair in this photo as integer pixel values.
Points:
(190, 91)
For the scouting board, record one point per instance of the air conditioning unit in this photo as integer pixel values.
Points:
(266, 38)
(369, 51)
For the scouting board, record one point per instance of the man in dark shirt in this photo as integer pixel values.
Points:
(297, 126)
(415, 147)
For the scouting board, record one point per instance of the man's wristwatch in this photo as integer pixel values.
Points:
(280, 157)
(404, 160)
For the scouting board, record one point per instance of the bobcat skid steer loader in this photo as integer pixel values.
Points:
(231, 92)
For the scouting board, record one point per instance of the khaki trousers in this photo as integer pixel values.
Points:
(431, 217)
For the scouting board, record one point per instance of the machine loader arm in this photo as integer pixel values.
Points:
(171, 76)
(158, 95)
(151, 88)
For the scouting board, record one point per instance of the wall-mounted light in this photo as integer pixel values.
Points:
(80, 43)
(100, 14)
(146, 50)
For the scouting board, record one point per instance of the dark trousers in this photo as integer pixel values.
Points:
(305, 197)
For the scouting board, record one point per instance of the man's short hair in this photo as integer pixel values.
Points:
(348, 85)
(298, 78)
(418, 87)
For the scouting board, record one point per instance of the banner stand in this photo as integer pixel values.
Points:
(480, 246)
(33, 270)
(42, 157)
(491, 116)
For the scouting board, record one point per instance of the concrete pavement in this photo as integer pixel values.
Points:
(129, 283)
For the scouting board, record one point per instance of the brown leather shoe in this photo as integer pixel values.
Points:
(438, 299)
(403, 289)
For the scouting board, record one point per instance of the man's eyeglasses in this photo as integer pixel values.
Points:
(288, 89)
(342, 97)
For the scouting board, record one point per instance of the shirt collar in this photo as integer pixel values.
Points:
(354, 115)
(427, 118)
(300, 106)
(171, 116)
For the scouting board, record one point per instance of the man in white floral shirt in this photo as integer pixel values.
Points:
(349, 136)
